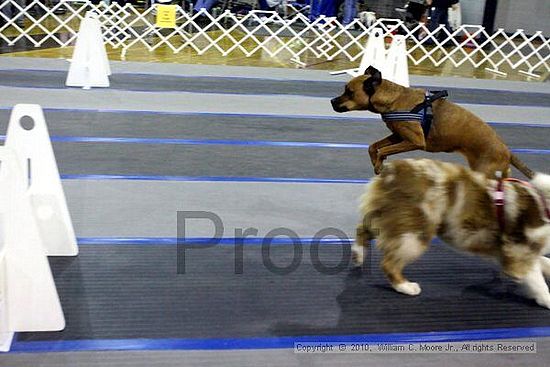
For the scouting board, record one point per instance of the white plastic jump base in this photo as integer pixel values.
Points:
(28, 137)
(89, 64)
(28, 297)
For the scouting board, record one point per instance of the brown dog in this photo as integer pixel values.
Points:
(454, 128)
(412, 201)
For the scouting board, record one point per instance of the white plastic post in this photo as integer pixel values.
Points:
(396, 68)
(28, 297)
(34, 151)
(89, 64)
(374, 54)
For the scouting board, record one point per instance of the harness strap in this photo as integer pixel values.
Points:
(402, 116)
(422, 112)
(430, 97)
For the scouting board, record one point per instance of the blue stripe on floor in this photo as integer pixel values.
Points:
(274, 342)
(225, 241)
(214, 179)
(530, 151)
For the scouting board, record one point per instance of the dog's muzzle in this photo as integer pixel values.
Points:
(337, 106)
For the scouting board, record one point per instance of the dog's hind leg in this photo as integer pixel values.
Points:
(489, 166)
(399, 252)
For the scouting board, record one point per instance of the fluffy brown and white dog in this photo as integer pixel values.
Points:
(412, 201)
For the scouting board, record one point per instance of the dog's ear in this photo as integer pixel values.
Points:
(371, 70)
(371, 83)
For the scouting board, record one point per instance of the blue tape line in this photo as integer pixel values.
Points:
(214, 179)
(225, 241)
(123, 140)
(530, 151)
(274, 342)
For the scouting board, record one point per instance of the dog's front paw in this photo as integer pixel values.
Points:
(378, 166)
(409, 288)
(373, 154)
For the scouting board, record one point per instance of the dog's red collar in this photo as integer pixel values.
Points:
(499, 201)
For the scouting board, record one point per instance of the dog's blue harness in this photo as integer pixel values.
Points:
(422, 112)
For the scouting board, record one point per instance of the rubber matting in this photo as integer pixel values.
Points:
(171, 83)
(134, 291)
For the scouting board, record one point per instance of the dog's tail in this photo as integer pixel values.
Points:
(522, 167)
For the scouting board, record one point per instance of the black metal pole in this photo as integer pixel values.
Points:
(489, 15)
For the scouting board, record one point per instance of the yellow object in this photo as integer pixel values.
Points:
(166, 16)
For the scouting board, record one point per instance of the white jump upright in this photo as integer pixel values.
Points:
(33, 149)
(396, 68)
(28, 297)
(374, 54)
(89, 65)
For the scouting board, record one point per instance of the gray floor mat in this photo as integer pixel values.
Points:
(134, 291)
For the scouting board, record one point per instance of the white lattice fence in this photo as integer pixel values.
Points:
(294, 38)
